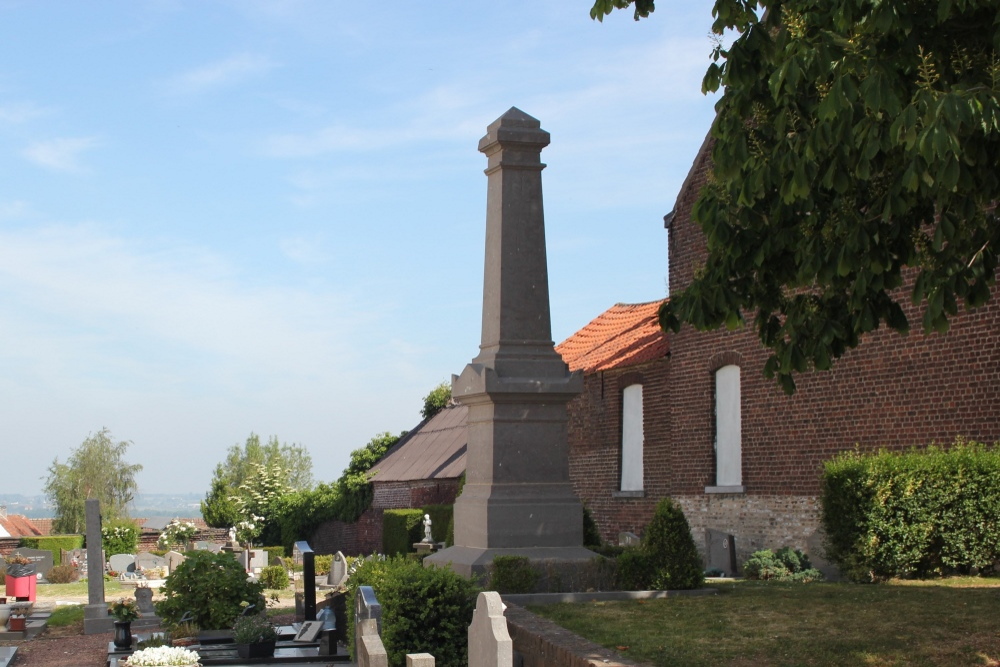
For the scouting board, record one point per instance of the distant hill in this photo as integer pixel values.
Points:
(185, 505)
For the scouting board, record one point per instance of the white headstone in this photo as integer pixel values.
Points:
(371, 652)
(122, 563)
(490, 644)
(174, 559)
(338, 570)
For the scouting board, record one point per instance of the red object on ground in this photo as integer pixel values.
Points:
(22, 587)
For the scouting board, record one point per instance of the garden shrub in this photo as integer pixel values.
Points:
(786, 564)
(54, 543)
(400, 529)
(674, 559)
(423, 609)
(322, 563)
(119, 536)
(591, 534)
(919, 513)
(512, 574)
(635, 569)
(62, 574)
(274, 577)
(212, 587)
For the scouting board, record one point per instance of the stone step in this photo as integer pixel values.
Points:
(7, 654)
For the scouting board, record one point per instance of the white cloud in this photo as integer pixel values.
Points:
(60, 154)
(20, 112)
(14, 209)
(232, 70)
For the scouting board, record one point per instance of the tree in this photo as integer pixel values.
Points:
(855, 160)
(96, 469)
(437, 400)
(240, 466)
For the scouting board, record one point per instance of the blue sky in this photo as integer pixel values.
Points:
(224, 217)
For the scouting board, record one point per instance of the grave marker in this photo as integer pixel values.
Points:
(490, 644)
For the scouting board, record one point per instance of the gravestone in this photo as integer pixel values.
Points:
(148, 561)
(368, 629)
(627, 539)
(258, 560)
(173, 559)
(202, 545)
(490, 644)
(721, 550)
(42, 559)
(517, 499)
(338, 570)
(419, 660)
(144, 598)
(122, 563)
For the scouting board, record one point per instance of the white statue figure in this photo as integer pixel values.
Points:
(427, 530)
(232, 535)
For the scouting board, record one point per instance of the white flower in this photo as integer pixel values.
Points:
(163, 656)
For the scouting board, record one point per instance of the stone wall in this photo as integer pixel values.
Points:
(541, 643)
(414, 494)
(361, 538)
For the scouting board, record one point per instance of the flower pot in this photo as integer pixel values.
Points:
(21, 587)
(261, 650)
(16, 623)
(123, 634)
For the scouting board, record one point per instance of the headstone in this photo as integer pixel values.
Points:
(721, 550)
(490, 644)
(367, 607)
(202, 545)
(95, 614)
(214, 548)
(144, 597)
(173, 559)
(122, 563)
(42, 558)
(517, 499)
(627, 539)
(370, 650)
(419, 660)
(148, 561)
(258, 560)
(338, 570)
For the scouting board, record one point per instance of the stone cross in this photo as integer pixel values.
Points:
(490, 644)
(518, 499)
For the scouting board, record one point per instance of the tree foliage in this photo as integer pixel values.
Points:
(241, 464)
(436, 400)
(96, 469)
(854, 161)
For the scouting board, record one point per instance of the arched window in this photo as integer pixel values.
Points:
(632, 438)
(728, 430)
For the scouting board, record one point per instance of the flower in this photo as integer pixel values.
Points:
(163, 656)
(176, 532)
(17, 559)
(124, 609)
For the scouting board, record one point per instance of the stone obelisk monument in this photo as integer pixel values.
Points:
(517, 498)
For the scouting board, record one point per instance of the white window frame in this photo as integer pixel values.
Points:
(728, 432)
(632, 439)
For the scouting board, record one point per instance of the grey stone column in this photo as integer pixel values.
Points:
(95, 614)
(517, 497)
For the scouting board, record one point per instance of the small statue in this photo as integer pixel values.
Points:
(427, 530)
(232, 535)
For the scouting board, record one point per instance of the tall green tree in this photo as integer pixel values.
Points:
(855, 162)
(240, 465)
(95, 470)
(436, 400)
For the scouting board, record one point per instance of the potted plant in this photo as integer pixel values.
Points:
(254, 636)
(20, 572)
(163, 656)
(125, 611)
(18, 617)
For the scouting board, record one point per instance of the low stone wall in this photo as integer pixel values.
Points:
(539, 642)
(759, 522)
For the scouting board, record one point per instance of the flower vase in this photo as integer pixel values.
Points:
(123, 634)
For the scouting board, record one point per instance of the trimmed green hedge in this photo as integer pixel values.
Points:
(275, 554)
(400, 529)
(920, 513)
(53, 543)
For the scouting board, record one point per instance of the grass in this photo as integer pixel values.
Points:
(68, 615)
(80, 588)
(955, 622)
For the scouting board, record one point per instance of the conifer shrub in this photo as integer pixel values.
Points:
(915, 514)
(786, 564)
(674, 558)
(591, 534)
(213, 587)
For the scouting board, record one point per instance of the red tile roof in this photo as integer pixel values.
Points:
(624, 335)
(433, 450)
(16, 525)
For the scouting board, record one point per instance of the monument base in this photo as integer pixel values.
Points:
(96, 620)
(566, 563)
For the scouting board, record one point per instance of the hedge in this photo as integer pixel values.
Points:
(441, 516)
(274, 554)
(915, 514)
(400, 529)
(54, 543)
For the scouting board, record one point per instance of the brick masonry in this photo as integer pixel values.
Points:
(892, 392)
(541, 643)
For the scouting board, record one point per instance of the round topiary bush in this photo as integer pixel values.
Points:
(212, 587)
(274, 577)
(62, 574)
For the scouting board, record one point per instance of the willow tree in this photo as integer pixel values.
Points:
(855, 166)
(96, 469)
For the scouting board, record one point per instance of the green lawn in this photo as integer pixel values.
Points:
(111, 588)
(956, 622)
